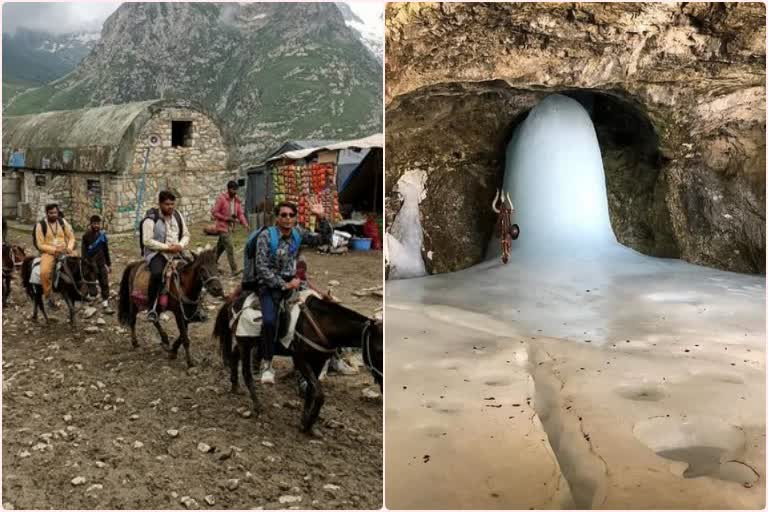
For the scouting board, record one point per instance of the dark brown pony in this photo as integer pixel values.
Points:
(13, 256)
(76, 282)
(185, 294)
(323, 327)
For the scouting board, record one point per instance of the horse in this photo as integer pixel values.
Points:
(185, 294)
(323, 326)
(76, 281)
(507, 230)
(13, 256)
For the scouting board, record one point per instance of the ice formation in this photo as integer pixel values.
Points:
(405, 239)
(554, 175)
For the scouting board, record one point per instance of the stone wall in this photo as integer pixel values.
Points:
(57, 189)
(682, 125)
(196, 174)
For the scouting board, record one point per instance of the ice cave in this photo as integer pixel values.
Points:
(583, 373)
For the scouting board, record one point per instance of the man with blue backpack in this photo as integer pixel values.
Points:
(270, 269)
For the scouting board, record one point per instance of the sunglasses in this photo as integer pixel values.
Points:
(284, 215)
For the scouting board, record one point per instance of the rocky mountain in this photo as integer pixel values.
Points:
(32, 58)
(271, 72)
(370, 35)
(39, 57)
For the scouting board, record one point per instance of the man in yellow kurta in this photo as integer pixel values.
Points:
(57, 239)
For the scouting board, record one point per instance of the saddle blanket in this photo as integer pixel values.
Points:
(34, 277)
(249, 318)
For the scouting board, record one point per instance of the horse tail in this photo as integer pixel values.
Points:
(124, 306)
(222, 331)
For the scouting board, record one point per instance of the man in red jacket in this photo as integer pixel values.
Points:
(227, 211)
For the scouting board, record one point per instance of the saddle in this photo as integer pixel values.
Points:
(246, 313)
(141, 276)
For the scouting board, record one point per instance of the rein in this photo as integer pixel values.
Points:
(67, 274)
(322, 348)
(183, 299)
(12, 256)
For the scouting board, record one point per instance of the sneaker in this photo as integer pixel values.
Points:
(324, 371)
(107, 310)
(152, 316)
(339, 365)
(267, 373)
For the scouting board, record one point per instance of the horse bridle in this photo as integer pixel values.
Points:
(14, 261)
(179, 295)
(68, 274)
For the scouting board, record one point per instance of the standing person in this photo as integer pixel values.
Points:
(5, 230)
(228, 210)
(270, 270)
(53, 238)
(164, 235)
(95, 248)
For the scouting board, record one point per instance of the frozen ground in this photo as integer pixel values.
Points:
(623, 358)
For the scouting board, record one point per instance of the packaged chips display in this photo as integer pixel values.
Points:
(299, 183)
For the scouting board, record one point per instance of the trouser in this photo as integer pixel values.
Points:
(225, 244)
(103, 280)
(269, 300)
(156, 267)
(47, 264)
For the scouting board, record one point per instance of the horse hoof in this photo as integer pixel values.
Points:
(172, 354)
(236, 390)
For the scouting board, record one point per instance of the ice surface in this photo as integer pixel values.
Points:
(405, 239)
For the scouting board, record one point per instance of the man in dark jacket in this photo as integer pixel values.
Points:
(270, 269)
(95, 248)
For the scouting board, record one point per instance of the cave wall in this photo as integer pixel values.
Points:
(460, 76)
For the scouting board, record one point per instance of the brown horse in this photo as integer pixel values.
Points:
(323, 327)
(185, 294)
(13, 257)
(76, 281)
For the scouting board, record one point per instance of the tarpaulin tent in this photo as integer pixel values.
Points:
(354, 169)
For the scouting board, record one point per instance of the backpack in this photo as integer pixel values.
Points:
(154, 214)
(274, 239)
(44, 227)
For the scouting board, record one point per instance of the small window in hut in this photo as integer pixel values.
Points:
(181, 134)
(40, 180)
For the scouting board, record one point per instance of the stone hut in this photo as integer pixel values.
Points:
(113, 161)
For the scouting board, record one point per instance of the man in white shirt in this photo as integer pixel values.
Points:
(164, 235)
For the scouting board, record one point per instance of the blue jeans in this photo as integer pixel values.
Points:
(269, 300)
